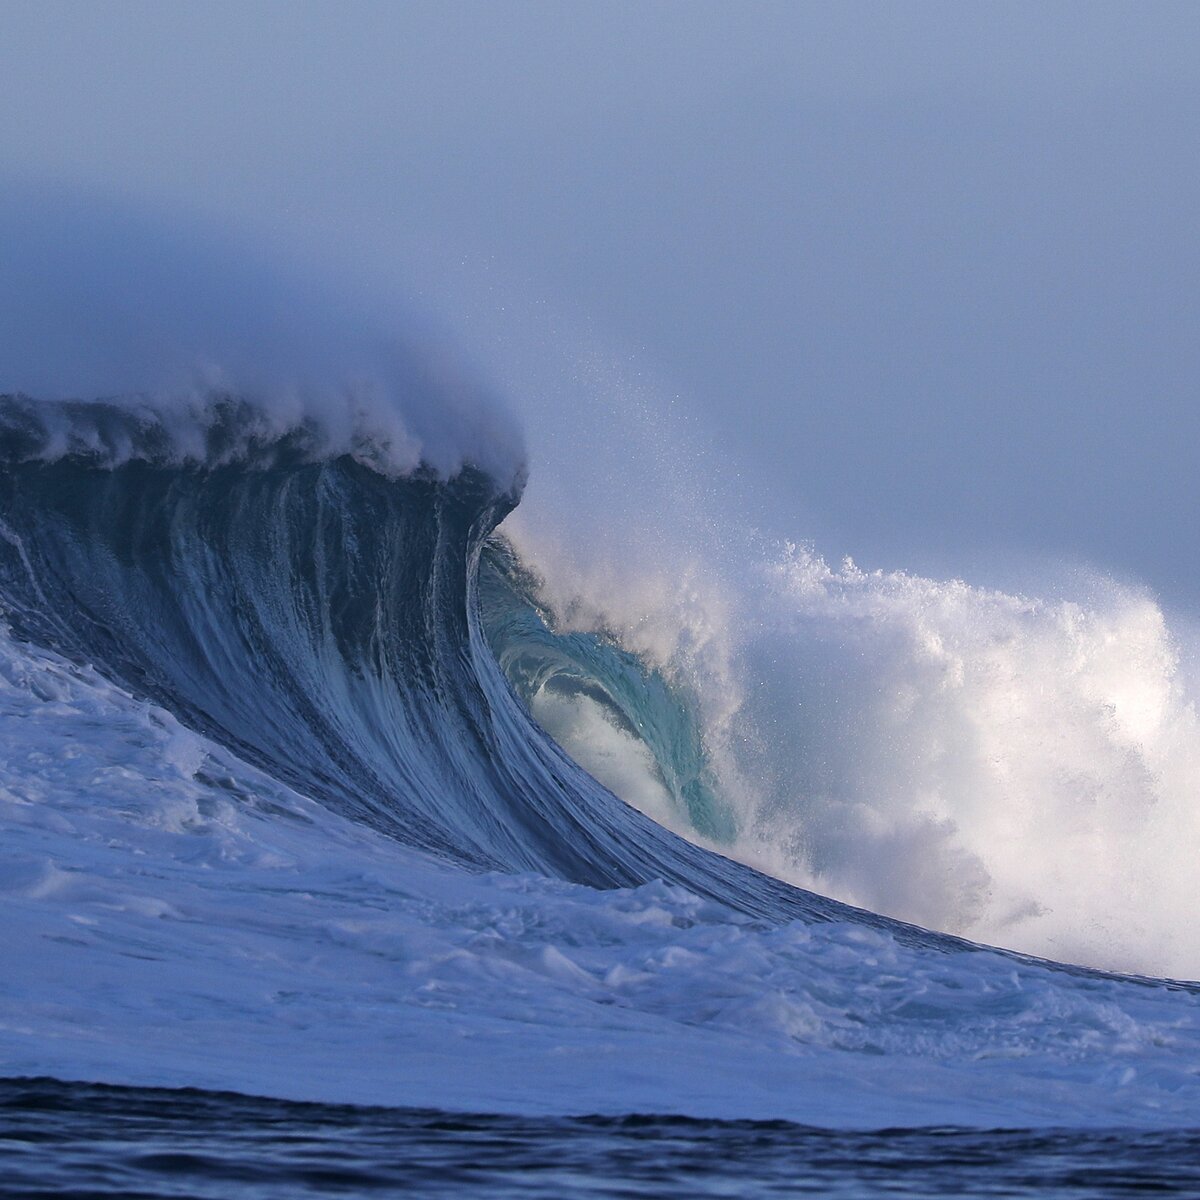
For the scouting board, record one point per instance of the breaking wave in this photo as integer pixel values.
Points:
(317, 598)
(294, 741)
(327, 773)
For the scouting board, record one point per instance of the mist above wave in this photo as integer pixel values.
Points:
(167, 322)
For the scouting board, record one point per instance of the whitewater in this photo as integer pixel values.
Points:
(1017, 767)
(295, 803)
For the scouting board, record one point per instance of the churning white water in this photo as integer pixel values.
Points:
(1023, 771)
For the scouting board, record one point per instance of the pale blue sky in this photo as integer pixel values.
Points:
(928, 271)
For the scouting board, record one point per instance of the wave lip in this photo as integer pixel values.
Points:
(216, 428)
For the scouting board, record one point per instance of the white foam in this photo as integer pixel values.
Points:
(1020, 770)
(1017, 770)
(611, 755)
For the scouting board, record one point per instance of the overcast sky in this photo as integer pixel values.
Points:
(927, 272)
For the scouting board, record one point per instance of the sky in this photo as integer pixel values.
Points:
(923, 277)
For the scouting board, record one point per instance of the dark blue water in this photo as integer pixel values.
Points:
(84, 1140)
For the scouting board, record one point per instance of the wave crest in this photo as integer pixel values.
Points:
(216, 428)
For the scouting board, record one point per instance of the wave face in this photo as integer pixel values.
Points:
(319, 617)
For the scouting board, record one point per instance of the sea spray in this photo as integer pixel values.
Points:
(1015, 769)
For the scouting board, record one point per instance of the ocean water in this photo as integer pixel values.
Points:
(323, 782)
(69, 1140)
